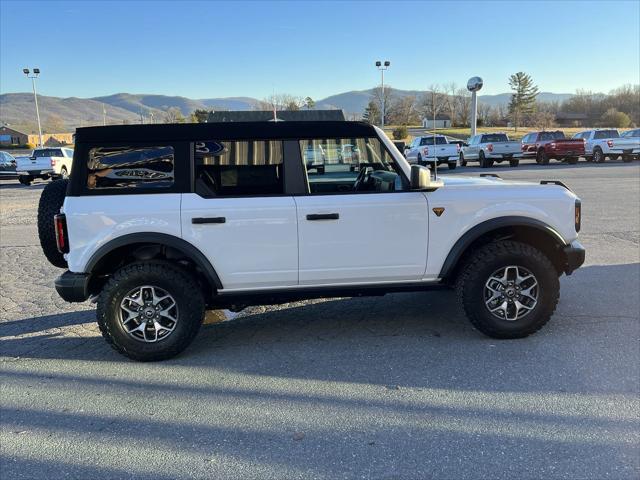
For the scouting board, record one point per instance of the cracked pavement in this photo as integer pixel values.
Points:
(388, 387)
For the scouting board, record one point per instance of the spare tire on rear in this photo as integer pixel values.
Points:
(50, 203)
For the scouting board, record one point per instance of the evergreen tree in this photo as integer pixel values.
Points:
(523, 101)
(372, 113)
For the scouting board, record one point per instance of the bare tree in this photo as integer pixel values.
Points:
(173, 115)
(450, 89)
(484, 112)
(543, 120)
(280, 101)
(463, 101)
(433, 102)
(389, 97)
(402, 111)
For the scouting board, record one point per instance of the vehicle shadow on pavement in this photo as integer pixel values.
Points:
(14, 186)
(409, 339)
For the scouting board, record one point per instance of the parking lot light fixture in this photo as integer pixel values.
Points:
(36, 73)
(382, 67)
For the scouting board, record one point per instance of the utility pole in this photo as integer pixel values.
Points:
(382, 67)
(36, 73)
(104, 115)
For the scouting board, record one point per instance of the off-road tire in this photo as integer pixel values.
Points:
(452, 165)
(172, 278)
(514, 162)
(51, 201)
(572, 160)
(487, 259)
(598, 155)
(463, 162)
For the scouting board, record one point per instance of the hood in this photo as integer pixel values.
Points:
(463, 181)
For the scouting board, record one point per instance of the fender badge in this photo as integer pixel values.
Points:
(438, 211)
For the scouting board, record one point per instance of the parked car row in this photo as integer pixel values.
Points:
(489, 148)
(43, 163)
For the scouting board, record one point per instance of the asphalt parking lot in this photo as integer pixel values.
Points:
(390, 387)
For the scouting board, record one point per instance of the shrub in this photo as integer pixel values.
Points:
(614, 119)
(30, 146)
(400, 133)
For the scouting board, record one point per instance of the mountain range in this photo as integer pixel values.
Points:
(65, 114)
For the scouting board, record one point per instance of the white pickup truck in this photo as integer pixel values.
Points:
(628, 145)
(44, 163)
(598, 144)
(422, 151)
(491, 147)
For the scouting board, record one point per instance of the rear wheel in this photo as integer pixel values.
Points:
(452, 165)
(484, 161)
(508, 289)
(51, 201)
(514, 162)
(25, 179)
(627, 158)
(541, 157)
(150, 311)
(572, 160)
(419, 159)
(598, 156)
(64, 174)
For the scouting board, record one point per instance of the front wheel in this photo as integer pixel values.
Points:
(463, 162)
(150, 311)
(508, 289)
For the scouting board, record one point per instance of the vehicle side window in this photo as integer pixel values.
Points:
(69, 152)
(241, 168)
(350, 165)
(130, 167)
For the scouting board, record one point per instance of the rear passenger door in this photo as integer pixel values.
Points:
(239, 215)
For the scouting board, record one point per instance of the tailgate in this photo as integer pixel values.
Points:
(569, 146)
(449, 150)
(506, 148)
(28, 164)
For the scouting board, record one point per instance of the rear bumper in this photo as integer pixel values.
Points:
(35, 173)
(503, 156)
(73, 287)
(574, 254)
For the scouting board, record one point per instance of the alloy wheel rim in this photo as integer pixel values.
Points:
(511, 292)
(148, 313)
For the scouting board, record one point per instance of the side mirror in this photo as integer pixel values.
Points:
(421, 179)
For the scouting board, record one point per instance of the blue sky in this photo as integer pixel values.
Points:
(215, 49)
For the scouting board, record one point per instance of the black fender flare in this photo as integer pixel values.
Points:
(159, 238)
(475, 232)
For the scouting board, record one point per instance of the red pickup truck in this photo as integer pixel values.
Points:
(546, 145)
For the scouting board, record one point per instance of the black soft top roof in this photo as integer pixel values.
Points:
(224, 131)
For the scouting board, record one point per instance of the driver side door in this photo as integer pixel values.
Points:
(374, 235)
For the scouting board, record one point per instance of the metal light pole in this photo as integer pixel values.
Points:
(382, 67)
(473, 85)
(36, 73)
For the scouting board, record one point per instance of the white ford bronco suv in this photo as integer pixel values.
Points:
(159, 223)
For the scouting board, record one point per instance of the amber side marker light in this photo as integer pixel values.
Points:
(578, 215)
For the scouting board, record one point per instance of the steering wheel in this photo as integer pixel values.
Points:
(363, 178)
